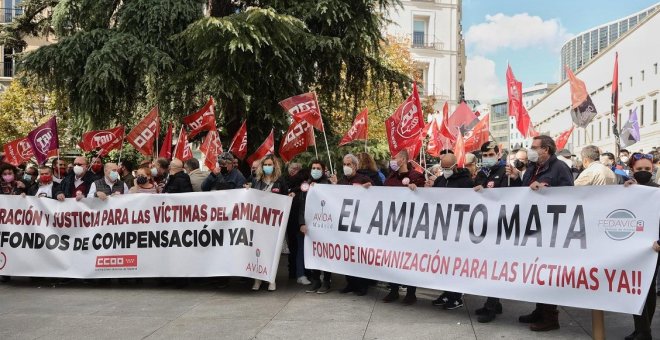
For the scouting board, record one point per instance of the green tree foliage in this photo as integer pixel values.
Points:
(116, 59)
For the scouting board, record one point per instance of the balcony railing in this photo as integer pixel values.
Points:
(423, 40)
(7, 69)
(8, 15)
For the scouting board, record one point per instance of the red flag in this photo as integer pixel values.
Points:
(461, 119)
(562, 139)
(166, 148)
(524, 122)
(359, 129)
(514, 90)
(143, 135)
(459, 150)
(583, 109)
(434, 146)
(211, 148)
(296, 140)
(202, 120)
(532, 132)
(444, 127)
(182, 150)
(44, 139)
(304, 107)
(615, 98)
(105, 140)
(267, 147)
(479, 135)
(405, 125)
(18, 151)
(239, 142)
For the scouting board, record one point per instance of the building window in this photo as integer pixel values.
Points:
(607, 127)
(655, 110)
(592, 133)
(419, 32)
(620, 87)
(600, 130)
(420, 78)
(614, 32)
(602, 37)
(630, 81)
(655, 68)
(642, 75)
(641, 115)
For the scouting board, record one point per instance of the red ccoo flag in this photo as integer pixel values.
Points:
(480, 135)
(583, 109)
(211, 148)
(266, 148)
(166, 148)
(562, 139)
(18, 151)
(304, 107)
(143, 135)
(182, 150)
(359, 129)
(298, 137)
(404, 126)
(239, 143)
(44, 139)
(202, 120)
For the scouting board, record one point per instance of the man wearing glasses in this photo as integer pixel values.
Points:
(78, 182)
(225, 176)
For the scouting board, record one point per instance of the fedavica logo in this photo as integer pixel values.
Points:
(621, 224)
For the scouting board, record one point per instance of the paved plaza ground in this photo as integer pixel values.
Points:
(39, 310)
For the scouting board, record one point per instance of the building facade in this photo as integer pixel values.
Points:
(499, 117)
(433, 30)
(639, 85)
(584, 46)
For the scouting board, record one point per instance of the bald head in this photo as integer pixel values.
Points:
(176, 166)
(448, 161)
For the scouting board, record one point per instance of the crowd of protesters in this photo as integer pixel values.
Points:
(538, 167)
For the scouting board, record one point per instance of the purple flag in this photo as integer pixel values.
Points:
(630, 131)
(44, 139)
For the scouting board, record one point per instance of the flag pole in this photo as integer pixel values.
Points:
(316, 151)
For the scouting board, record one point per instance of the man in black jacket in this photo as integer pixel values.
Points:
(452, 177)
(178, 181)
(224, 177)
(544, 170)
(78, 182)
(46, 186)
(493, 174)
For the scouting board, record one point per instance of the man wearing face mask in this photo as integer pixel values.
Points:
(402, 175)
(352, 177)
(565, 156)
(46, 186)
(30, 178)
(77, 183)
(178, 181)
(520, 162)
(607, 158)
(224, 176)
(109, 185)
(59, 171)
(452, 177)
(97, 168)
(624, 158)
(544, 170)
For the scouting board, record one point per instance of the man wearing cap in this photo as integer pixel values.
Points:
(225, 176)
(493, 174)
(566, 156)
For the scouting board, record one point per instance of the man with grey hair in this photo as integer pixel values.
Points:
(109, 185)
(595, 173)
(197, 176)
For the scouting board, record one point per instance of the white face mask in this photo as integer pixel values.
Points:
(624, 159)
(532, 155)
(447, 173)
(78, 170)
(316, 173)
(154, 172)
(114, 176)
(394, 165)
(348, 171)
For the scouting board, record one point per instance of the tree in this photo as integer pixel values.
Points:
(116, 59)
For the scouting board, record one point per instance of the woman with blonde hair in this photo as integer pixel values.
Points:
(367, 167)
(268, 177)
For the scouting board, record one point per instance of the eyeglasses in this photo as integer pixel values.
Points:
(638, 156)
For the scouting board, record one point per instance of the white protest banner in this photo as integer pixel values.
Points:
(588, 247)
(221, 233)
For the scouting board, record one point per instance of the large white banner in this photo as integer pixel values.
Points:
(221, 233)
(588, 247)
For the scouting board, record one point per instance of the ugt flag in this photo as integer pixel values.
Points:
(359, 129)
(405, 125)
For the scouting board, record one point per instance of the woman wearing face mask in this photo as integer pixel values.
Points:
(269, 178)
(144, 183)
(9, 186)
(641, 167)
(317, 176)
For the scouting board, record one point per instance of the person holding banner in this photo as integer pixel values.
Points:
(76, 184)
(452, 177)
(97, 168)
(641, 167)
(317, 176)
(47, 187)
(9, 186)
(402, 175)
(493, 174)
(351, 177)
(109, 185)
(178, 181)
(543, 170)
(60, 169)
(269, 178)
(225, 176)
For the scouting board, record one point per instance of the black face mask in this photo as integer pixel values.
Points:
(142, 180)
(224, 170)
(642, 177)
(519, 164)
